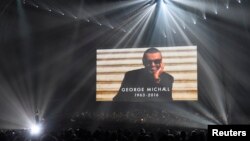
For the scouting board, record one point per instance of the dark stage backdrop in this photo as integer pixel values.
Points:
(49, 61)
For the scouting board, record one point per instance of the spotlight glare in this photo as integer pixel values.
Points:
(204, 17)
(194, 21)
(164, 35)
(35, 129)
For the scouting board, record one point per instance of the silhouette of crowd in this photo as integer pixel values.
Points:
(113, 126)
(80, 134)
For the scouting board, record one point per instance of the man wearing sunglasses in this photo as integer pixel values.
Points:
(150, 83)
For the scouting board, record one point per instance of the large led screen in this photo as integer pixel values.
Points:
(153, 74)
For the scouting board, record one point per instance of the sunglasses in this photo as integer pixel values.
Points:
(149, 62)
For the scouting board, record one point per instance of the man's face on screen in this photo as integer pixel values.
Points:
(153, 61)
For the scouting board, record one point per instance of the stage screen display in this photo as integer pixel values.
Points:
(153, 74)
